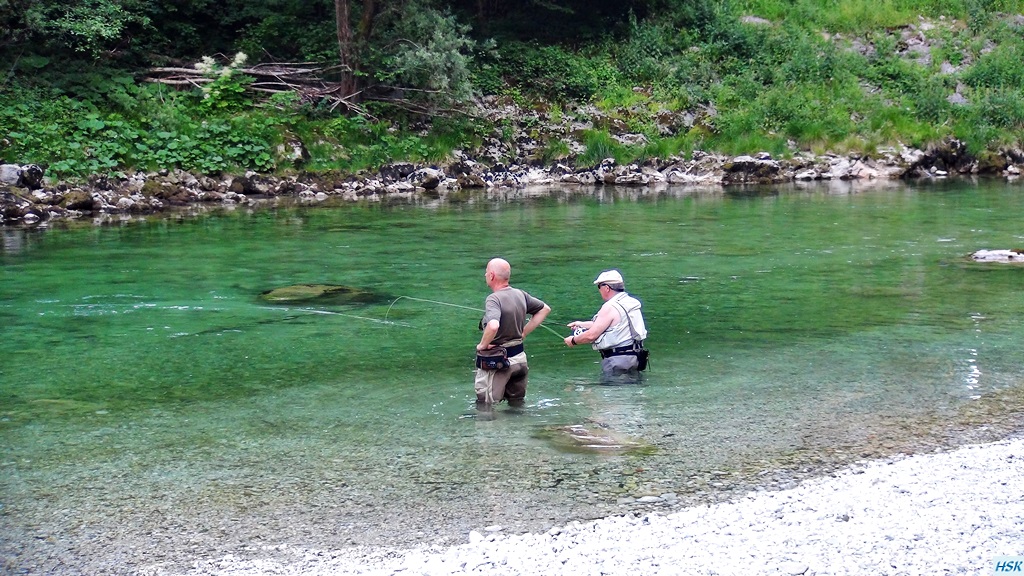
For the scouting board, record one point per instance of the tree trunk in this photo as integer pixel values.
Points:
(366, 22)
(346, 50)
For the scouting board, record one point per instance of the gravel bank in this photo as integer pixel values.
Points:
(944, 513)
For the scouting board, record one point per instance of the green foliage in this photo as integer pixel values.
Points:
(620, 97)
(74, 138)
(303, 31)
(83, 26)
(979, 14)
(931, 100)
(554, 151)
(1002, 67)
(645, 57)
(598, 146)
(798, 81)
(226, 90)
(549, 72)
(355, 143)
(427, 51)
(999, 108)
(851, 15)
(803, 58)
(980, 137)
(673, 146)
(226, 93)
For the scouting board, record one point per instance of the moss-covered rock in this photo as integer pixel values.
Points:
(321, 294)
(990, 162)
(151, 189)
(78, 200)
(593, 438)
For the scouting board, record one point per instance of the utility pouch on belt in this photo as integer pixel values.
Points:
(642, 354)
(497, 358)
(493, 359)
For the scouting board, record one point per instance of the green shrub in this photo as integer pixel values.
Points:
(618, 97)
(436, 67)
(74, 139)
(646, 57)
(1003, 67)
(851, 15)
(227, 91)
(600, 145)
(1001, 108)
(554, 151)
(673, 146)
(552, 72)
(931, 100)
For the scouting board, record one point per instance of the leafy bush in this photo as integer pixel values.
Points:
(81, 27)
(1003, 67)
(1000, 108)
(931, 100)
(552, 72)
(227, 91)
(74, 138)
(435, 66)
(852, 15)
(355, 143)
(646, 56)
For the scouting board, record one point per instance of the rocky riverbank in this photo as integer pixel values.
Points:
(27, 197)
(952, 513)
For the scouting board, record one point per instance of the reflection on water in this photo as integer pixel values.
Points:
(145, 383)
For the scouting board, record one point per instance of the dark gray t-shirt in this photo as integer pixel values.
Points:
(510, 307)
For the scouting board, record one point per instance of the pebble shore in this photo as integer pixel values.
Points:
(954, 512)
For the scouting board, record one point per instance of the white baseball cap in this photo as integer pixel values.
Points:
(609, 276)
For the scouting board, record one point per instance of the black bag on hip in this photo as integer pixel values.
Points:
(642, 356)
(493, 359)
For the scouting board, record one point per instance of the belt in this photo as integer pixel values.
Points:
(513, 350)
(619, 351)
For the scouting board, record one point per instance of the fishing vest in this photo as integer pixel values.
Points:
(619, 333)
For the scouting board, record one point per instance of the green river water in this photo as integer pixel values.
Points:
(153, 408)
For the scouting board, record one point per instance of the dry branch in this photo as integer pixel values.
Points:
(304, 79)
(307, 81)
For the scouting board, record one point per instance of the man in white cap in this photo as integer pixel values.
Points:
(617, 330)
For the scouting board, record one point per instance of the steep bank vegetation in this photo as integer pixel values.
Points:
(416, 79)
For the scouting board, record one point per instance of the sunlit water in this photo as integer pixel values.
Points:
(144, 385)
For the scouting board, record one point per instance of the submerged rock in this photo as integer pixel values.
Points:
(1011, 256)
(593, 438)
(322, 294)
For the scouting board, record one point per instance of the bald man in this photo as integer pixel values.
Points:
(504, 325)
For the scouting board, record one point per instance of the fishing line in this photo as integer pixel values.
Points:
(543, 325)
(315, 311)
(430, 301)
(377, 320)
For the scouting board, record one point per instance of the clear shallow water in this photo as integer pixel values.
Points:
(145, 386)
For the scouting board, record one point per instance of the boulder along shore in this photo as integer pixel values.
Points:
(29, 198)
